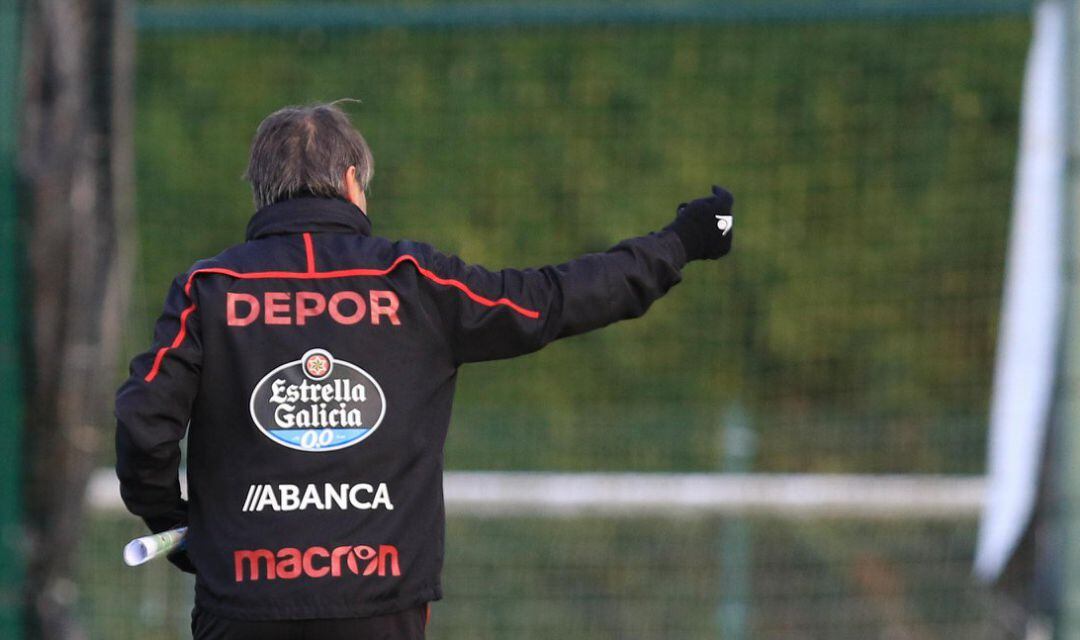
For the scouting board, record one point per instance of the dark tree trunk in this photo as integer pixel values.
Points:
(76, 163)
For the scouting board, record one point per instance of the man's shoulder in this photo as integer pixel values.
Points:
(348, 250)
(231, 258)
(414, 248)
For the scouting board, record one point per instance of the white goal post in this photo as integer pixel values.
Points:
(604, 494)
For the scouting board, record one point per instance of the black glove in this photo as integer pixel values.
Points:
(705, 226)
(176, 518)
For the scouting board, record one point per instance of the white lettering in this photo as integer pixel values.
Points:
(339, 391)
(287, 416)
(354, 499)
(382, 496)
(340, 498)
(250, 495)
(283, 416)
(267, 499)
(311, 497)
(290, 497)
(277, 388)
(325, 497)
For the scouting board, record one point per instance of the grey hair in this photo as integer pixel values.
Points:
(306, 150)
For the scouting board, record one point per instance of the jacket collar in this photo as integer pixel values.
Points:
(308, 213)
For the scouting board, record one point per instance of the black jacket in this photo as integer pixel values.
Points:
(313, 368)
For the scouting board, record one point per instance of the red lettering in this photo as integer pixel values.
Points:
(231, 300)
(388, 552)
(335, 559)
(309, 562)
(287, 308)
(277, 302)
(335, 307)
(288, 565)
(367, 554)
(389, 309)
(303, 311)
(253, 557)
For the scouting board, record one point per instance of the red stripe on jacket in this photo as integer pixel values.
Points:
(311, 274)
(309, 249)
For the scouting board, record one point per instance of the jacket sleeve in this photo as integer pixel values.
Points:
(152, 411)
(501, 314)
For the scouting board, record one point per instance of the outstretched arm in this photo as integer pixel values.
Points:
(524, 309)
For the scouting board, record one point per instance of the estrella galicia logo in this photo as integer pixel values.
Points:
(318, 403)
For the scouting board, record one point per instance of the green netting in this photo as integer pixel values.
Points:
(11, 344)
(872, 164)
(871, 161)
(543, 578)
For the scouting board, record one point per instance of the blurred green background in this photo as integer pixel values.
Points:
(872, 164)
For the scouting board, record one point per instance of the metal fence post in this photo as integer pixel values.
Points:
(11, 566)
(1068, 626)
(736, 538)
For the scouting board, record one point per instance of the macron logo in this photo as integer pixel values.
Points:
(724, 224)
(316, 562)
